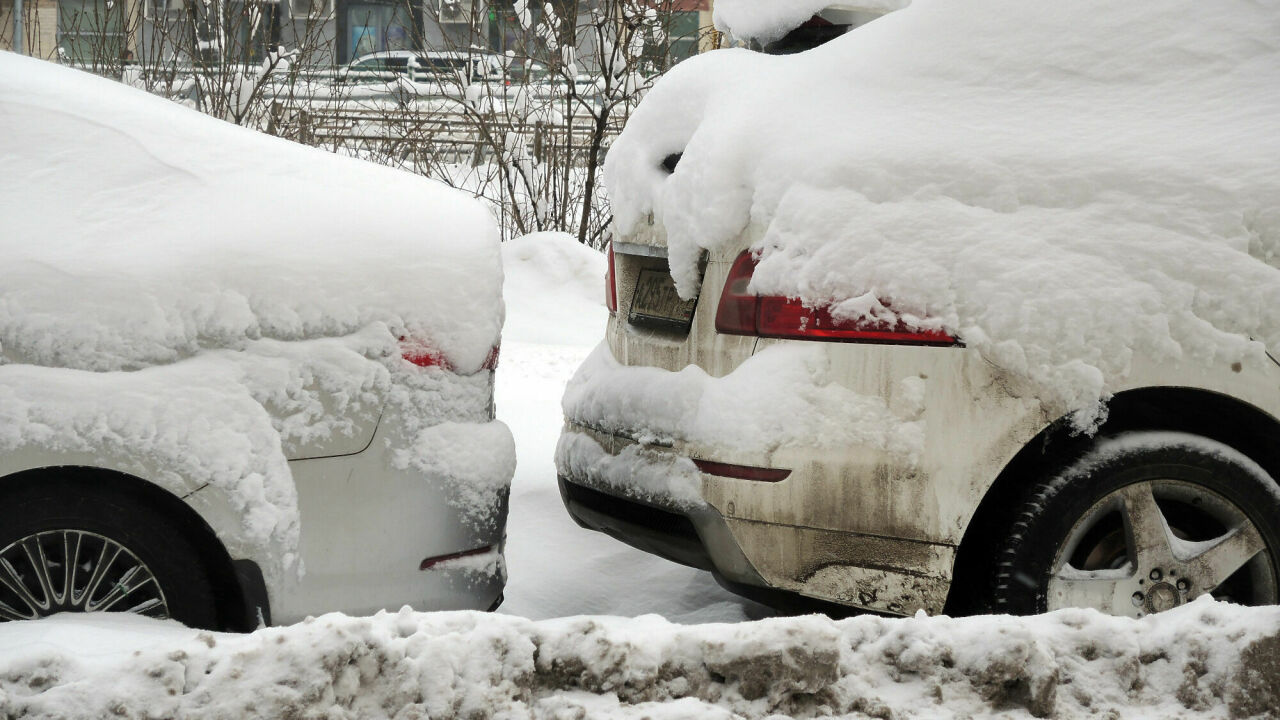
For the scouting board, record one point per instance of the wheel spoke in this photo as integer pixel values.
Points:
(40, 565)
(146, 607)
(1100, 589)
(1208, 564)
(7, 612)
(1145, 527)
(14, 582)
(100, 572)
(68, 566)
(118, 592)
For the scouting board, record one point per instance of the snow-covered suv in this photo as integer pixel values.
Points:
(967, 309)
(241, 380)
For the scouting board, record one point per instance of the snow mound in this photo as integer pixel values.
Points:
(1204, 659)
(554, 288)
(1065, 187)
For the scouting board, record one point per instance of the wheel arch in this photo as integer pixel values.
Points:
(235, 584)
(1217, 416)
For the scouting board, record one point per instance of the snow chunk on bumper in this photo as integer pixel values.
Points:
(781, 396)
(473, 461)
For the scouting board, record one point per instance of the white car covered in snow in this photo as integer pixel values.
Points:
(974, 308)
(241, 380)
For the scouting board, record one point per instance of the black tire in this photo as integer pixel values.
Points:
(89, 514)
(1089, 517)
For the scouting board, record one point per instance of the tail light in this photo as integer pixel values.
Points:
(610, 286)
(421, 354)
(743, 313)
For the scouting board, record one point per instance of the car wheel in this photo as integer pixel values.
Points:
(79, 547)
(1143, 523)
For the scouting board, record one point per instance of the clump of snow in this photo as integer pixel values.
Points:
(739, 411)
(202, 303)
(473, 462)
(768, 20)
(1205, 659)
(637, 472)
(1065, 187)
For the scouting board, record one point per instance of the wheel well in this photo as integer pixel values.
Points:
(232, 611)
(1200, 412)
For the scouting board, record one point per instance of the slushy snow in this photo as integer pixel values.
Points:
(1205, 659)
(1065, 188)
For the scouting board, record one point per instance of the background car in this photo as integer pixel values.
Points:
(242, 381)
(444, 67)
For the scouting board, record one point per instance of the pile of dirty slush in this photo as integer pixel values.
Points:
(1205, 659)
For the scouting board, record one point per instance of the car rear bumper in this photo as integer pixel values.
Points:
(881, 574)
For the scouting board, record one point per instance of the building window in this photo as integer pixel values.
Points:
(682, 35)
(459, 12)
(241, 32)
(91, 31)
(376, 27)
(157, 9)
(303, 9)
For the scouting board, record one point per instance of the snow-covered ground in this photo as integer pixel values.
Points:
(1205, 659)
(555, 315)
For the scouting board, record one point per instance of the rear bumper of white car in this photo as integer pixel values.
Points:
(770, 561)
(380, 534)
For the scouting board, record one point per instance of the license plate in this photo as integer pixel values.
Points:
(656, 303)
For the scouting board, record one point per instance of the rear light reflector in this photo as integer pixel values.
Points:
(744, 313)
(742, 472)
(491, 362)
(610, 283)
(434, 561)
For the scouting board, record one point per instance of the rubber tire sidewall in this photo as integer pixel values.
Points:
(1046, 519)
(155, 539)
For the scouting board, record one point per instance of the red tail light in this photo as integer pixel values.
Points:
(744, 313)
(421, 354)
(610, 286)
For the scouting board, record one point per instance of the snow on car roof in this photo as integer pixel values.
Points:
(137, 231)
(1069, 188)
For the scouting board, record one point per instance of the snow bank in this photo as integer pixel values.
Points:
(200, 302)
(1204, 659)
(768, 20)
(554, 289)
(1064, 187)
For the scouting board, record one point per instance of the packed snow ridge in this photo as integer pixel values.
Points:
(1068, 189)
(1204, 659)
(203, 302)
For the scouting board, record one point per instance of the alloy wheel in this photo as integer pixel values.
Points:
(1156, 544)
(75, 571)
